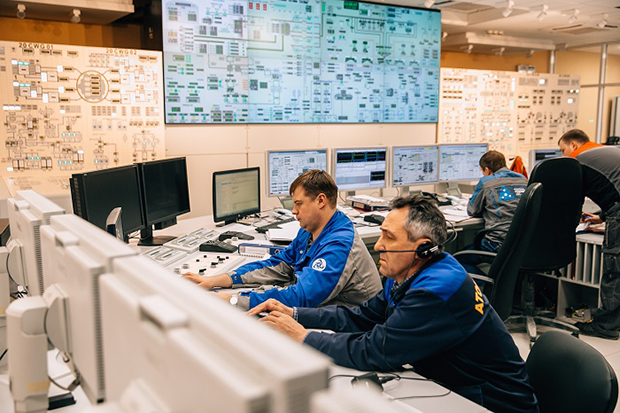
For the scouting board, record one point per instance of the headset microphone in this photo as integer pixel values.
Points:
(427, 248)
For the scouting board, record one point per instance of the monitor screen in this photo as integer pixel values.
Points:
(537, 155)
(311, 61)
(460, 162)
(166, 190)
(362, 168)
(412, 165)
(236, 194)
(96, 194)
(284, 166)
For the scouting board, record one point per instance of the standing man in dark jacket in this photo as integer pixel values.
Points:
(430, 315)
(601, 179)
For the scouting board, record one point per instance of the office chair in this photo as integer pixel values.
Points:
(570, 376)
(553, 245)
(613, 140)
(501, 277)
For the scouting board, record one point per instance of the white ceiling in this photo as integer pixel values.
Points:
(477, 17)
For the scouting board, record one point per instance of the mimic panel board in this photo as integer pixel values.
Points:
(300, 61)
(512, 112)
(67, 109)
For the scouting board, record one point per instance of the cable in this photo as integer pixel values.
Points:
(340, 375)
(425, 396)
(4, 353)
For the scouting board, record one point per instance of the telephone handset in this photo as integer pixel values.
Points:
(441, 201)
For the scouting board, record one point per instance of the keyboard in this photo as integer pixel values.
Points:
(274, 225)
(217, 246)
(235, 234)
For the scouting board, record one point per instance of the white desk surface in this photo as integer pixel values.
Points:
(404, 388)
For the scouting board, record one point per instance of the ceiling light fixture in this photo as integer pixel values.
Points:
(75, 18)
(603, 22)
(530, 53)
(429, 3)
(508, 10)
(573, 18)
(543, 12)
(500, 51)
(21, 11)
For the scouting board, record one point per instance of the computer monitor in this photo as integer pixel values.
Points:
(537, 155)
(460, 162)
(415, 165)
(74, 255)
(165, 195)
(27, 212)
(95, 194)
(236, 194)
(192, 350)
(284, 166)
(361, 168)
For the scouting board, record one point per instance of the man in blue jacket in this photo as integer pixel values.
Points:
(495, 198)
(430, 315)
(327, 263)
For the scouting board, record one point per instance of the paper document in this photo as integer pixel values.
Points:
(287, 233)
(450, 210)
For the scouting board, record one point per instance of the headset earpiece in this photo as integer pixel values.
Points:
(426, 249)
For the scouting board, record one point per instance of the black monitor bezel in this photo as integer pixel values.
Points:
(145, 212)
(85, 177)
(233, 217)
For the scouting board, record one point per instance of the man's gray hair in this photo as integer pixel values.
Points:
(424, 219)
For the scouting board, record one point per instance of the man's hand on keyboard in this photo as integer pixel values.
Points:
(222, 280)
(271, 305)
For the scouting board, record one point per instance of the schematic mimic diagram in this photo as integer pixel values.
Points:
(300, 61)
(512, 112)
(68, 108)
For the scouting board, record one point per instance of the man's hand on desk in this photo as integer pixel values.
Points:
(222, 296)
(280, 317)
(222, 280)
(591, 218)
(271, 305)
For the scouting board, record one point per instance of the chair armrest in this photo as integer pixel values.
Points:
(482, 278)
(484, 256)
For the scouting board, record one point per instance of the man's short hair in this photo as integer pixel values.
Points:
(315, 182)
(424, 219)
(493, 160)
(574, 135)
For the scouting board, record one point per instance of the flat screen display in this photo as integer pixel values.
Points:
(292, 61)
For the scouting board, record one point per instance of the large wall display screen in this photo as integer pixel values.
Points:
(300, 61)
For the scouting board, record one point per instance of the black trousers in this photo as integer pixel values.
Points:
(607, 317)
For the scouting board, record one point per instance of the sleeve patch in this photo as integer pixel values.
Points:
(319, 264)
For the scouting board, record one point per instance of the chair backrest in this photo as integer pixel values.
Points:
(568, 375)
(506, 265)
(553, 245)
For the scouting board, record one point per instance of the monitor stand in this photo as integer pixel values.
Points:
(146, 235)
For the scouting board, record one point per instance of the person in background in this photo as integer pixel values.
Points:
(430, 315)
(601, 180)
(327, 262)
(495, 198)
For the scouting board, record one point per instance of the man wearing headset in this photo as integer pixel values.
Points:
(430, 315)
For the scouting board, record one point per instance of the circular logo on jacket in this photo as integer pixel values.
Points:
(319, 264)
